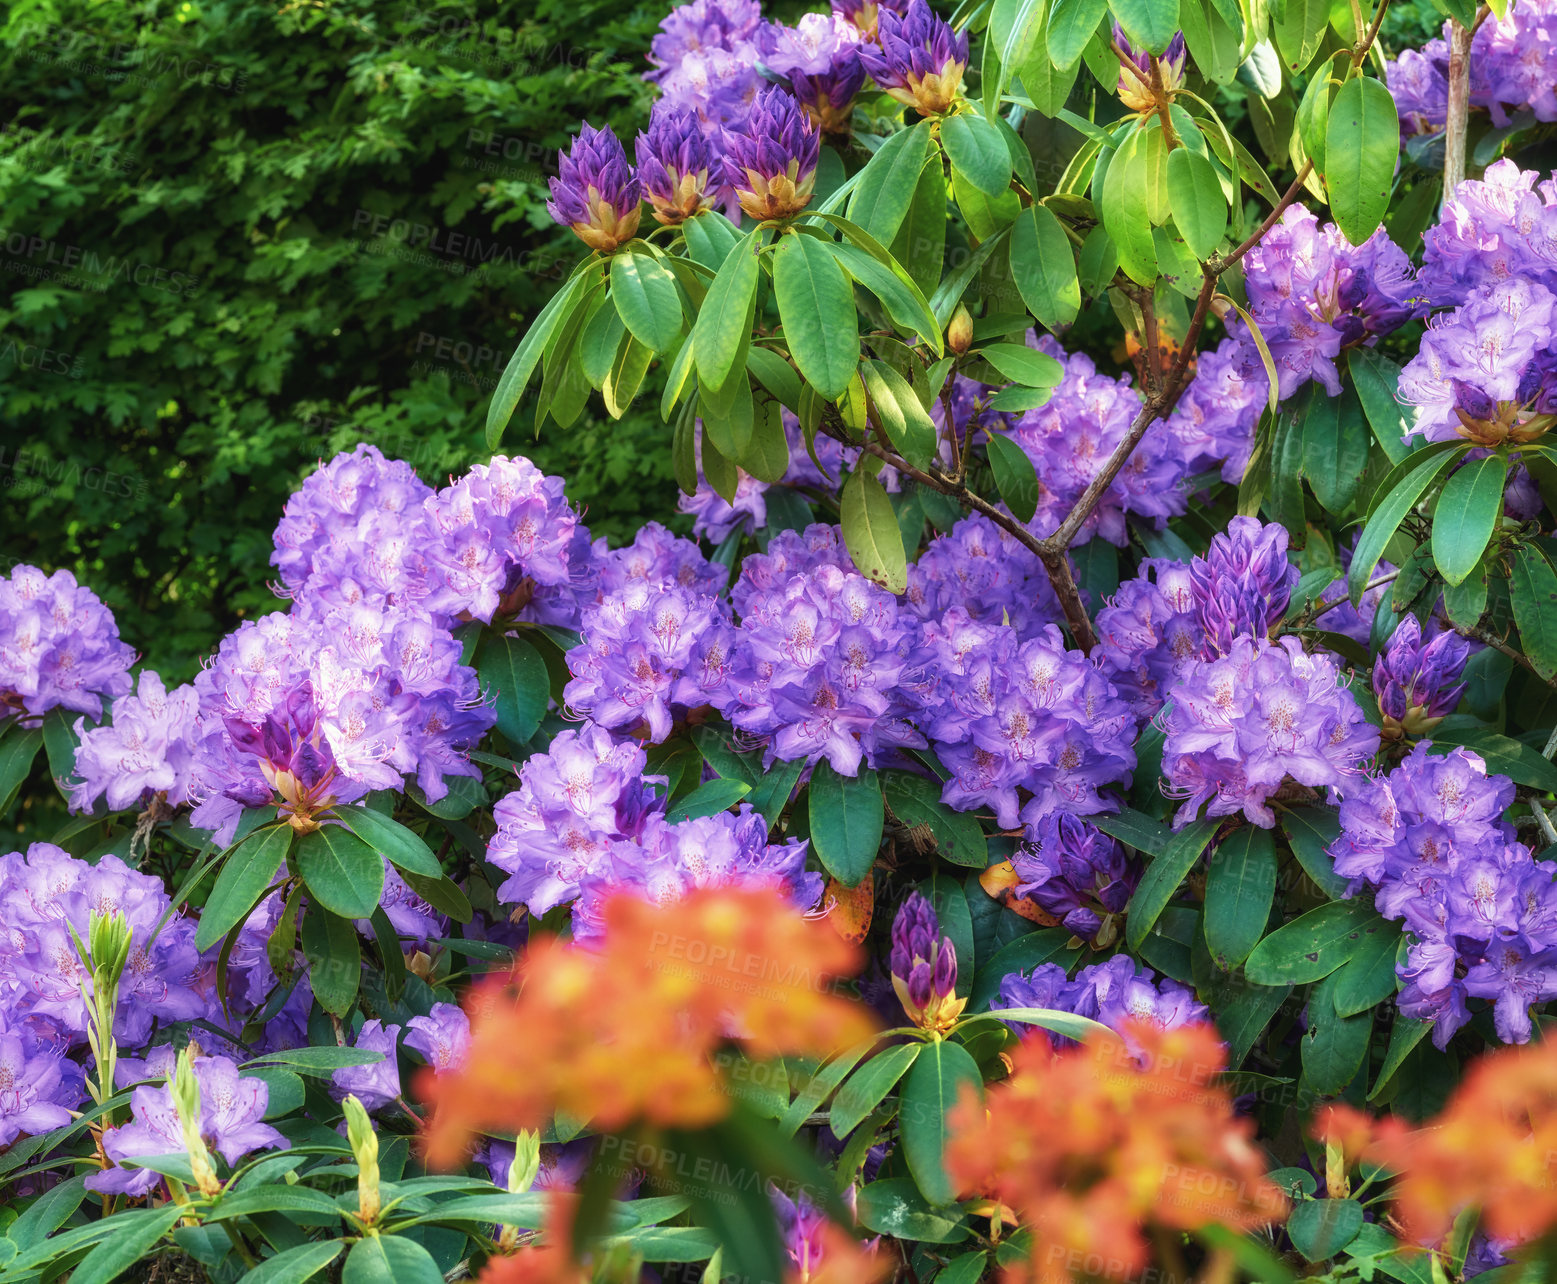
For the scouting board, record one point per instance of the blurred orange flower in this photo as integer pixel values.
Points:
(1494, 1147)
(623, 1032)
(1090, 1145)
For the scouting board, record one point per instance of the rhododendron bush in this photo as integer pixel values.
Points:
(1066, 799)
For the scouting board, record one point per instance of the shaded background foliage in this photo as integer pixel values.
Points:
(239, 237)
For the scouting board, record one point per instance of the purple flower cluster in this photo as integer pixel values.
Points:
(377, 1084)
(1071, 436)
(232, 1107)
(1149, 634)
(1312, 293)
(596, 192)
(1513, 69)
(770, 163)
(918, 59)
(148, 750)
(1215, 419)
(817, 665)
(584, 794)
(819, 59)
(1112, 992)
(1076, 873)
(309, 710)
(1498, 228)
(1239, 725)
(46, 894)
(1481, 911)
(987, 573)
(1417, 681)
(59, 646)
(924, 966)
(1025, 727)
(39, 1086)
(1243, 584)
(675, 164)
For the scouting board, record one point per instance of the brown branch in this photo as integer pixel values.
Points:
(1478, 634)
(1457, 118)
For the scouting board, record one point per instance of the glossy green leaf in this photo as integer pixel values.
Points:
(1299, 30)
(513, 673)
(847, 818)
(1196, 199)
(521, 366)
(1125, 209)
(646, 298)
(342, 872)
(722, 331)
(933, 1087)
(625, 377)
(1240, 890)
(1362, 145)
(247, 873)
(18, 748)
(920, 243)
(1533, 587)
(295, 1265)
(710, 237)
(1024, 365)
(390, 1259)
(1311, 831)
(1321, 1228)
(1164, 876)
(1333, 1046)
(708, 799)
(1505, 756)
(894, 1206)
(129, 1245)
(1071, 24)
(900, 413)
(1466, 514)
(868, 1085)
(1376, 379)
(729, 416)
(1368, 979)
(1043, 266)
(889, 181)
(334, 959)
(916, 801)
(816, 305)
(1149, 24)
(1312, 946)
(1403, 1038)
(1386, 519)
(1336, 444)
(403, 847)
(977, 152)
(871, 533)
(1015, 476)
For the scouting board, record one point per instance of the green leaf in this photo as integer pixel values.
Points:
(334, 959)
(890, 283)
(870, 532)
(1466, 514)
(722, 331)
(341, 871)
(1164, 876)
(442, 893)
(710, 237)
(977, 152)
(319, 1061)
(1403, 1038)
(1333, 1046)
(247, 873)
(1043, 266)
(646, 298)
(526, 1208)
(729, 418)
(950, 291)
(967, 1269)
(1506, 756)
(1369, 978)
(816, 305)
(1240, 890)
(895, 1207)
(1136, 828)
(402, 847)
(1020, 955)
(1311, 831)
(512, 670)
(1362, 144)
(770, 795)
(1299, 31)
(18, 747)
(1386, 519)
(1124, 207)
(1335, 448)
(278, 1198)
(889, 181)
(1242, 1018)
(708, 800)
(916, 801)
(132, 1241)
(1196, 199)
(1015, 475)
(1321, 1228)
(1376, 379)
(626, 376)
(934, 1084)
(920, 243)
(1533, 588)
(900, 413)
(1024, 365)
(521, 366)
(1150, 24)
(1071, 24)
(1312, 946)
(847, 818)
(766, 456)
(295, 1265)
(868, 1085)
(390, 1259)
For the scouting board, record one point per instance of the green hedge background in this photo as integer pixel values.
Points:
(238, 237)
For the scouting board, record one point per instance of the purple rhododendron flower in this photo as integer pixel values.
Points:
(1149, 634)
(1111, 993)
(864, 15)
(442, 1037)
(231, 1109)
(1137, 82)
(924, 963)
(376, 1084)
(918, 59)
(596, 192)
(585, 793)
(770, 161)
(700, 26)
(1418, 682)
(39, 1087)
(1239, 725)
(674, 164)
(59, 646)
(1077, 873)
(819, 59)
(148, 749)
(1215, 419)
(1244, 582)
(987, 573)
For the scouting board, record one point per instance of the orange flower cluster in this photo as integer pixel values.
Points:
(624, 1032)
(1493, 1147)
(1089, 1145)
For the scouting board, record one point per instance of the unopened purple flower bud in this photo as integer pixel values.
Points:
(673, 164)
(1418, 684)
(770, 162)
(596, 192)
(924, 966)
(1138, 86)
(1243, 583)
(920, 60)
